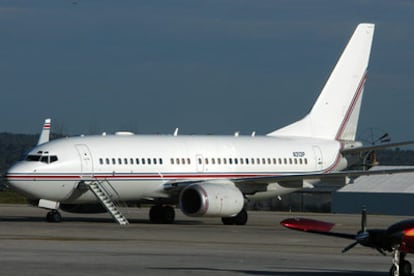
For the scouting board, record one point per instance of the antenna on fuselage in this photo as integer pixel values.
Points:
(176, 132)
(45, 134)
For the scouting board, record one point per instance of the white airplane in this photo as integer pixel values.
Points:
(203, 175)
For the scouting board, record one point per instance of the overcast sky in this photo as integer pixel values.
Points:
(203, 66)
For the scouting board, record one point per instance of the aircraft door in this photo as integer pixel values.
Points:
(318, 157)
(86, 159)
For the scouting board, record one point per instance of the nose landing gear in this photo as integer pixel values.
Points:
(54, 216)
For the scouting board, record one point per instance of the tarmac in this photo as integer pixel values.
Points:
(93, 244)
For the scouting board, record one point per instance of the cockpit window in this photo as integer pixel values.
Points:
(34, 158)
(41, 158)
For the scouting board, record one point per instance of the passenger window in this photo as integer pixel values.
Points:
(224, 161)
(219, 161)
(231, 161)
(177, 160)
(300, 161)
(113, 161)
(296, 161)
(126, 161)
(154, 160)
(200, 161)
(252, 161)
(247, 161)
(149, 161)
(306, 161)
(206, 161)
(285, 161)
(172, 161)
(131, 161)
(188, 161)
(183, 161)
(274, 161)
(280, 161)
(143, 161)
(137, 161)
(107, 161)
(101, 161)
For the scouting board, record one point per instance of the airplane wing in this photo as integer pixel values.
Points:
(314, 226)
(315, 176)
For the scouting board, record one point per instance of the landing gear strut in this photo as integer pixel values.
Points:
(162, 214)
(54, 216)
(239, 219)
(400, 266)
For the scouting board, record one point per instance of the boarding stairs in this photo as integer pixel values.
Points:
(97, 187)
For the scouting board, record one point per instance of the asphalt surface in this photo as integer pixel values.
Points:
(94, 245)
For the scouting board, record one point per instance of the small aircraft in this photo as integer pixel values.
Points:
(397, 238)
(204, 175)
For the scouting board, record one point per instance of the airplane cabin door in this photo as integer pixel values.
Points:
(318, 157)
(86, 159)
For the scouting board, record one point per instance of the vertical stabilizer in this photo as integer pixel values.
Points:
(335, 113)
(45, 134)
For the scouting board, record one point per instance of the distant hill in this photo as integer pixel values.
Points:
(14, 146)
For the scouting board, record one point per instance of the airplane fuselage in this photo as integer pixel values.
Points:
(140, 166)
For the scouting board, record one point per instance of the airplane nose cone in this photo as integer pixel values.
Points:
(14, 177)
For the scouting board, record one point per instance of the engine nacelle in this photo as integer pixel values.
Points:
(214, 199)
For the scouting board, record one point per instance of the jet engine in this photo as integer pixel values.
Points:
(215, 199)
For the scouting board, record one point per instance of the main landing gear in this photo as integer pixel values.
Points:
(54, 216)
(400, 266)
(239, 219)
(162, 214)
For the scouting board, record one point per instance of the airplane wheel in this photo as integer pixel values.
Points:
(162, 214)
(405, 268)
(239, 219)
(227, 221)
(168, 214)
(155, 214)
(53, 216)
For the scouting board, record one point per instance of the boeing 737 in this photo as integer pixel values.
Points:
(202, 175)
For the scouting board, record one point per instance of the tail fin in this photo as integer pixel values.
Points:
(45, 134)
(336, 111)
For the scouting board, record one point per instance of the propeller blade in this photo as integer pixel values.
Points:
(381, 251)
(364, 220)
(349, 247)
